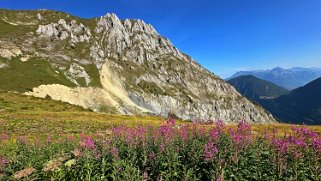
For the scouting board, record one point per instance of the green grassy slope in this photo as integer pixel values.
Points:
(23, 76)
(18, 102)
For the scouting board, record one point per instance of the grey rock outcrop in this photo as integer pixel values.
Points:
(62, 30)
(76, 72)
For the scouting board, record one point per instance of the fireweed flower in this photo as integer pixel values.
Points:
(162, 147)
(236, 137)
(202, 131)
(37, 142)
(220, 124)
(114, 152)
(4, 137)
(87, 142)
(217, 130)
(209, 151)
(183, 133)
(171, 122)
(281, 146)
(145, 176)
(3, 161)
(244, 127)
(22, 140)
(297, 154)
(118, 131)
(215, 134)
(242, 136)
(299, 143)
(140, 134)
(152, 156)
(304, 132)
(268, 136)
(129, 136)
(166, 132)
(49, 140)
(316, 143)
(219, 178)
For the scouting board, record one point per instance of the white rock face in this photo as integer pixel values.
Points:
(82, 96)
(8, 49)
(39, 16)
(75, 72)
(112, 94)
(25, 58)
(62, 31)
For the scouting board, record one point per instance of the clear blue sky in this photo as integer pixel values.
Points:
(223, 35)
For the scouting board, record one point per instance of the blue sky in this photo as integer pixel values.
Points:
(223, 35)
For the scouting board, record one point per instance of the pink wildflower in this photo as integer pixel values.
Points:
(281, 145)
(49, 140)
(114, 152)
(4, 137)
(3, 161)
(183, 132)
(152, 156)
(162, 147)
(219, 178)
(171, 122)
(22, 140)
(87, 142)
(209, 151)
(242, 136)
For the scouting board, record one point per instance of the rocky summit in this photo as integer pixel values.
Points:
(112, 65)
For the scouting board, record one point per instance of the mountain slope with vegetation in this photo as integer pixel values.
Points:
(256, 89)
(301, 105)
(14, 102)
(111, 65)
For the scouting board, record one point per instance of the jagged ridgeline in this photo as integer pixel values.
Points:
(112, 65)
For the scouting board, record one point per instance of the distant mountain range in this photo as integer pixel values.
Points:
(301, 105)
(288, 78)
(256, 89)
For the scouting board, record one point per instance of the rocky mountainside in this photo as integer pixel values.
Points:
(112, 65)
(288, 78)
(301, 105)
(256, 89)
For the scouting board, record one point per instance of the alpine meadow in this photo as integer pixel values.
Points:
(89, 95)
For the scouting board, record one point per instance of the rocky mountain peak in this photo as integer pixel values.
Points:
(107, 22)
(125, 66)
(110, 20)
(132, 39)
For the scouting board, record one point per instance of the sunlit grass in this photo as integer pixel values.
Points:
(42, 123)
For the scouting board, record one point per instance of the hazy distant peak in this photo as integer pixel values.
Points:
(288, 78)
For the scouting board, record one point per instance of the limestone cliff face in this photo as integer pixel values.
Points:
(139, 70)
